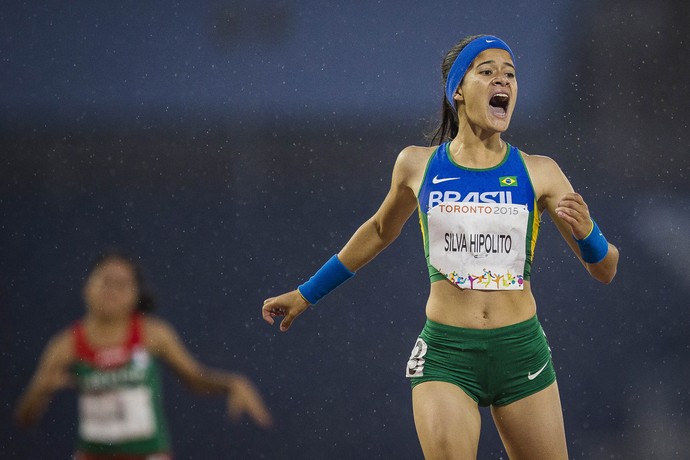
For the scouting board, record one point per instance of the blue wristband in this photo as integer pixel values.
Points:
(330, 276)
(593, 247)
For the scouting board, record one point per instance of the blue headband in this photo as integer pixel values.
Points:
(464, 60)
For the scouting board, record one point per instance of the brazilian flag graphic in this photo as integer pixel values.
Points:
(508, 181)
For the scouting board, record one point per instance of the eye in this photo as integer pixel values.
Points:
(485, 72)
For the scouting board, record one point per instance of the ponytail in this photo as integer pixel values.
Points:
(447, 127)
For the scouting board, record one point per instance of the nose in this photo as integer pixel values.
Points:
(501, 80)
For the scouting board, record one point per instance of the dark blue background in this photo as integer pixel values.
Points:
(234, 146)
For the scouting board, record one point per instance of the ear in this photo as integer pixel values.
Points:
(458, 96)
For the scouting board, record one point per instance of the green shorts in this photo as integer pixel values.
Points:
(493, 366)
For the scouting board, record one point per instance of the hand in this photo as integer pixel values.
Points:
(290, 305)
(244, 398)
(574, 212)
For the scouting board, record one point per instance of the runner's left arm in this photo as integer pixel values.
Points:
(243, 397)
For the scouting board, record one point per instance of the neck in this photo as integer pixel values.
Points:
(469, 149)
(106, 322)
(103, 331)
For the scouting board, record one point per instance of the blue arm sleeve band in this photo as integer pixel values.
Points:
(594, 247)
(330, 276)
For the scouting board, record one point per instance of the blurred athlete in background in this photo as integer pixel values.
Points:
(111, 357)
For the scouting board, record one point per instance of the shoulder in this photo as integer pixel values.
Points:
(157, 332)
(542, 169)
(539, 164)
(547, 177)
(61, 347)
(411, 164)
(415, 154)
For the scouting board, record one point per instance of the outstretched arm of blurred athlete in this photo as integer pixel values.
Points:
(242, 396)
(52, 374)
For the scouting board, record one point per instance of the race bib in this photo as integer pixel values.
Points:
(118, 415)
(479, 245)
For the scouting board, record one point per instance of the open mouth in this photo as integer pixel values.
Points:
(499, 104)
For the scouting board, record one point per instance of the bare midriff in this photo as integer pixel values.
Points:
(477, 309)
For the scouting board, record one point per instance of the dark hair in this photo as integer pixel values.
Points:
(447, 128)
(146, 302)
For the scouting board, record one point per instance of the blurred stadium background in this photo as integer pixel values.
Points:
(234, 146)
